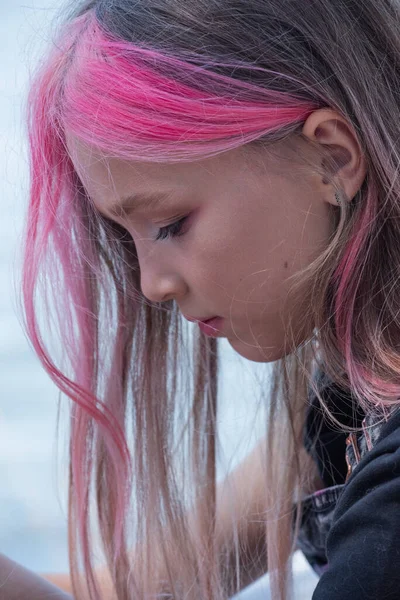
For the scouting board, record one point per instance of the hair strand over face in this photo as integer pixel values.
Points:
(153, 81)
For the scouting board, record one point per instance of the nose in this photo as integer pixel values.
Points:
(159, 285)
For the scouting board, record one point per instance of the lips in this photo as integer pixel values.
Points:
(199, 319)
(211, 326)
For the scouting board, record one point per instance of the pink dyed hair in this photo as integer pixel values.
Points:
(121, 99)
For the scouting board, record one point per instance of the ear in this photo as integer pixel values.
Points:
(345, 163)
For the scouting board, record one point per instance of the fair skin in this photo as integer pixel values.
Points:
(248, 230)
(19, 583)
(240, 499)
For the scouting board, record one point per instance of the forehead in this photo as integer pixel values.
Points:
(107, 178)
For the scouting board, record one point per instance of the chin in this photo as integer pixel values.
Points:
(254, 354)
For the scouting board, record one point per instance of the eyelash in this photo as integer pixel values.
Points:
(171, 231)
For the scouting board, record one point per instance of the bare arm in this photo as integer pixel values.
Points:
(18, 583)
(245, 506)
(246, 480)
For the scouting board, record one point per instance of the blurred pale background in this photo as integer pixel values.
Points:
(33, 490)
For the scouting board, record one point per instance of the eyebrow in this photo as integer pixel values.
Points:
(135, 202)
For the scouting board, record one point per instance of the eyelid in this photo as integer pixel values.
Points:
(169, 221)
(168, 231)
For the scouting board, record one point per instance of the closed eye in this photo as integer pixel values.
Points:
(170, 231)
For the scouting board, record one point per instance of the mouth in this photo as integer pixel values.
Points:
(212, 327)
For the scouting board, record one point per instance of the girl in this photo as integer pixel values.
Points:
(234, 161)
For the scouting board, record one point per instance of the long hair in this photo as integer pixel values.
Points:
(166, 81)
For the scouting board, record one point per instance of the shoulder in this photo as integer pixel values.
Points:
(363, 545)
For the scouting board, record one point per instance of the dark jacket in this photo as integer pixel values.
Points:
(351, 529)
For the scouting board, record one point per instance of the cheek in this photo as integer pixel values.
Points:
(211, 251)
(242, 258)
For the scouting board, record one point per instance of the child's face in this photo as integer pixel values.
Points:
(248, 229)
